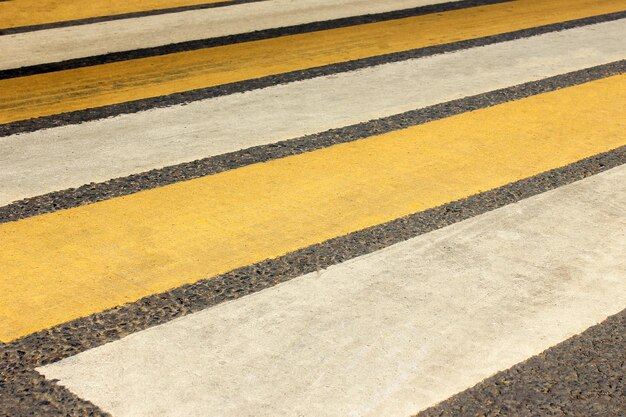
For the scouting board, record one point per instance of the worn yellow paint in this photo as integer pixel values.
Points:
(63, 265)
(17, 13)
(64, 91)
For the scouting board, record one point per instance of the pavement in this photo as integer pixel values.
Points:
(281, 208)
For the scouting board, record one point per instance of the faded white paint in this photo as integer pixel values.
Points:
(40, 162)
(61, 44)
(385, 334)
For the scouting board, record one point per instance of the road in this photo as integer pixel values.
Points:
(287, 208)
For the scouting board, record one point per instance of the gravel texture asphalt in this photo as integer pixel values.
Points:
(582, 376)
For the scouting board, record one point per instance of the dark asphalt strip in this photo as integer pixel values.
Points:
(244, 37)
(24, 392)
(28, 393)
(247, 85)
(98, 19)
(585, 376)
(95, 192)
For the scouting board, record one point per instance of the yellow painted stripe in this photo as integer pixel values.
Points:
(58, 92)
(63, 265)
(16, 13)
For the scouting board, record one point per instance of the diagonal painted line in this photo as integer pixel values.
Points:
(92, 193)
(78, 277)
(566, 374)
(120, 82)
(430, 317)
(68, 339)
(225, 89)
(70, 156)
(240, 38)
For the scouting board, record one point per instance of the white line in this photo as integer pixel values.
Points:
(40, 162)
(388, 334)
(60, 44)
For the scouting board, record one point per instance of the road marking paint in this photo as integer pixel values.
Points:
(60, 44)
(65, 91)
(64, 265)
(16, 13)
(70, 156)
(427, 318)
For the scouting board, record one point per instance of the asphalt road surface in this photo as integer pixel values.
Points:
(313, 208)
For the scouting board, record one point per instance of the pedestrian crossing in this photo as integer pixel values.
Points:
(112, 83)
(210, 225)
(427, 193)
(55, 159)
(398, 310)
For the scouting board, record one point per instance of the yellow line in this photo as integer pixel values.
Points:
(16, 13)
(63, 265)
(59, 92)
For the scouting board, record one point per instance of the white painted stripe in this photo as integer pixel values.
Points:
(60, 44)
(40, 162)
(389, 333)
